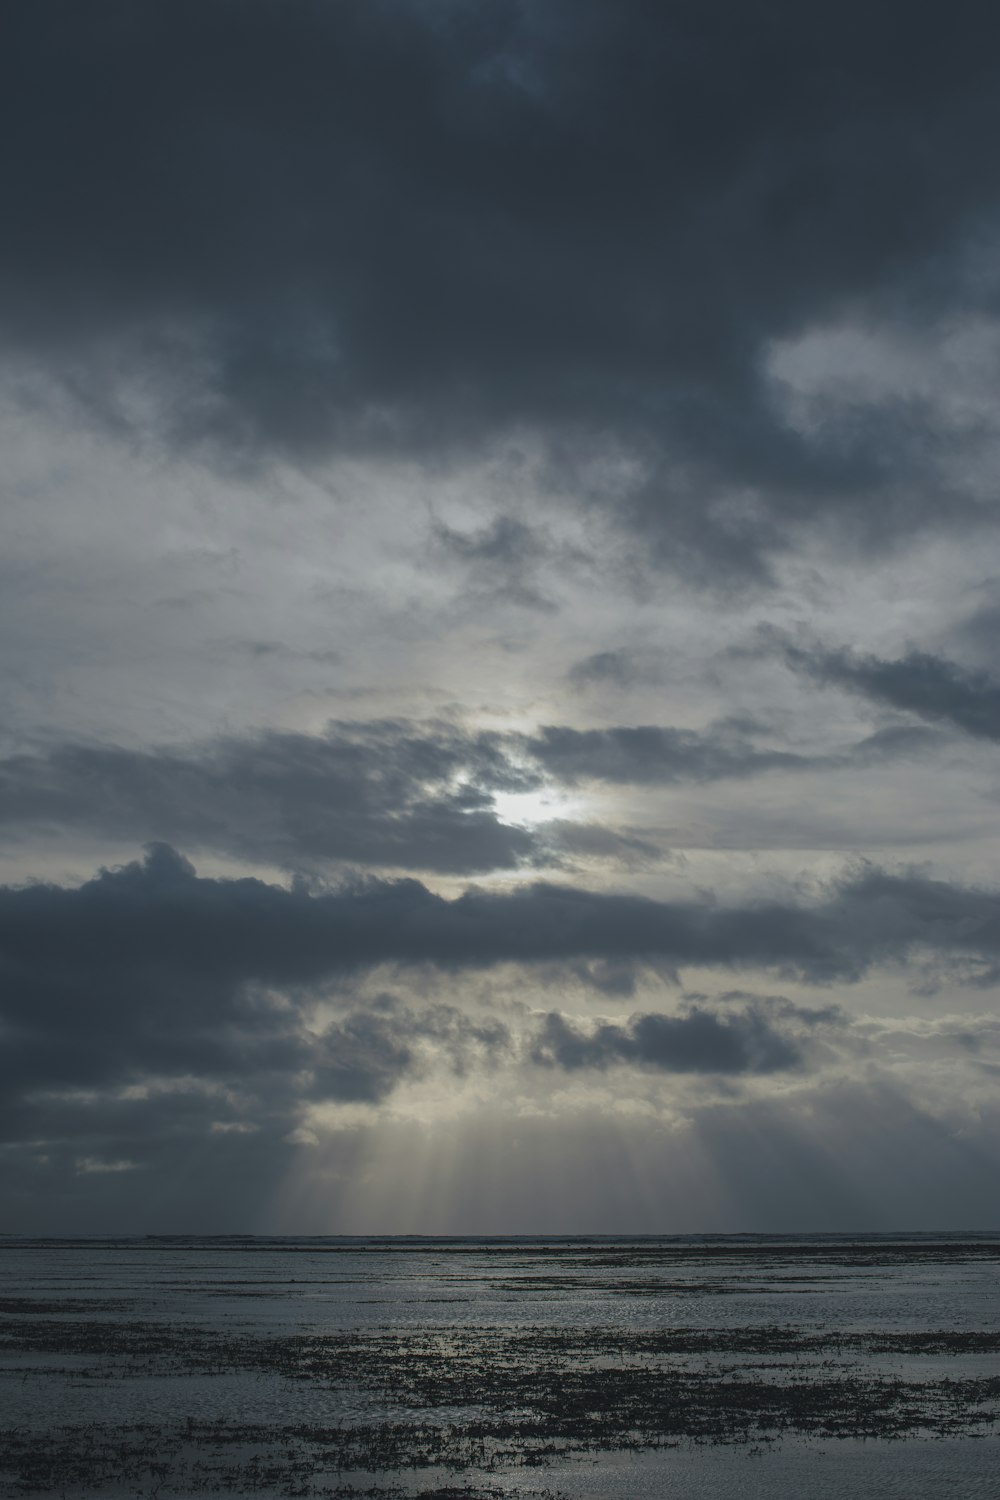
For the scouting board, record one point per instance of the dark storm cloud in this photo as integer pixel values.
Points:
(379, 794)
(918, 683)
(149, 1015)
(211, 1042)
(751, 1040)
(148, 929)
(401, 226)
(386, 793)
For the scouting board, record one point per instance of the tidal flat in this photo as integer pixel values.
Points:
(452, 1369)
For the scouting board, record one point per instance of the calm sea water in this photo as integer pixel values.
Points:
(576, 1367)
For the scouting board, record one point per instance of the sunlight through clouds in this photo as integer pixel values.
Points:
(500, 693)
(534, 808)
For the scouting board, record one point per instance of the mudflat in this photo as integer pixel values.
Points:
(456, 1368)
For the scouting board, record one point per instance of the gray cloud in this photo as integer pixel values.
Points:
(918, 683)
(594, 841)
(751, 1040)
(157, 925)
(387, 793)
(649, 753)
(150, 1016)
(501, 560)
(365, 1055)
(727, 750)
(211, 1047)
(620, 668)
(397, 227)
(378, 794)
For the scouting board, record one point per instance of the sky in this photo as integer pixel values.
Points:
(499, 595)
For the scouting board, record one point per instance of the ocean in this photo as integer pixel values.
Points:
(691, 1367)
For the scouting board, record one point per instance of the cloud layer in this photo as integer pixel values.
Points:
(509, 490)
(391, 794)
(151, 1012)
(393, 227)
(927, 686)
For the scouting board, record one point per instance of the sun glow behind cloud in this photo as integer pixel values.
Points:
(531, 809)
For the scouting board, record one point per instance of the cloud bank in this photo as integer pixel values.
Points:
(400, 228)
